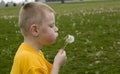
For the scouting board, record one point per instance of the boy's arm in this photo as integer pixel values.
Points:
(59, 61)
(55, 69)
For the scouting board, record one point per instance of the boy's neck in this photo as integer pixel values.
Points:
(33, 44)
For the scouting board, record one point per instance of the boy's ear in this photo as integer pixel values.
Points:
(33, 30)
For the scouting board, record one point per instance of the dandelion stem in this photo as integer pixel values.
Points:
(66, 43)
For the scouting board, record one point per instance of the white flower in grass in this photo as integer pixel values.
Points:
(74, 24)
(86, 72)
(68, 39)
(118, 42)
(97, 62)
(97, 72)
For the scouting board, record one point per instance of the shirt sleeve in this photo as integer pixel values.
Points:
(33, 66)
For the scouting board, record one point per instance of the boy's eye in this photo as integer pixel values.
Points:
(51, 26)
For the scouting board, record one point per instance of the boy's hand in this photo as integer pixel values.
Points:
(60, 58)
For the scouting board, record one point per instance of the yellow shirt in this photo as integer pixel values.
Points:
(28, 61)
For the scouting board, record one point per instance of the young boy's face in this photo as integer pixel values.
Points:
(48, 30)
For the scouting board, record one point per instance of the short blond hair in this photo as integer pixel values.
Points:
(32, 13)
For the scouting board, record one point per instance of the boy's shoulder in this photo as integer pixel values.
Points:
(23, 54)
(25, 51)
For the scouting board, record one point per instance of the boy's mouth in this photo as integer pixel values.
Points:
(56, 33)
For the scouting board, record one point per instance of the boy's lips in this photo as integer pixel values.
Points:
(56, 33)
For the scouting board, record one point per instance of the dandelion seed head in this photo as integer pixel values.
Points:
(70, 39)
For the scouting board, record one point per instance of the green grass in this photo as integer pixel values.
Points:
(95, 25)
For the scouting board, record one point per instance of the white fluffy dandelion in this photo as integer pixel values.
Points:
(68, 39)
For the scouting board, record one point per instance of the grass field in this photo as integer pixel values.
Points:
(95, 25)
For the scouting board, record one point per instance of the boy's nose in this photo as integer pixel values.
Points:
(56, 29)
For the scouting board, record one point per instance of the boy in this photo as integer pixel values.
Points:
(37, 24)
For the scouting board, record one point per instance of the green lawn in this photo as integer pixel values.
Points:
(95, 25)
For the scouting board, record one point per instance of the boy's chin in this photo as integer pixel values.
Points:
(50, 43)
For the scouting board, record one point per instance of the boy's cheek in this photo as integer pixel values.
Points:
(52, 37)
(49, 35)
(44, 30)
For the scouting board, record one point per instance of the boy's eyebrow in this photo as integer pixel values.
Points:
(52, 23)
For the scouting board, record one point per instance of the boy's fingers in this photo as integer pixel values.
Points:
(61, 51)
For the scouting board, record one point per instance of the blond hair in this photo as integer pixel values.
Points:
(32, 13)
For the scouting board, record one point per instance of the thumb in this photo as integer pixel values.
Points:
(61, 51)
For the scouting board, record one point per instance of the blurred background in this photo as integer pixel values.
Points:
(21, 2)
